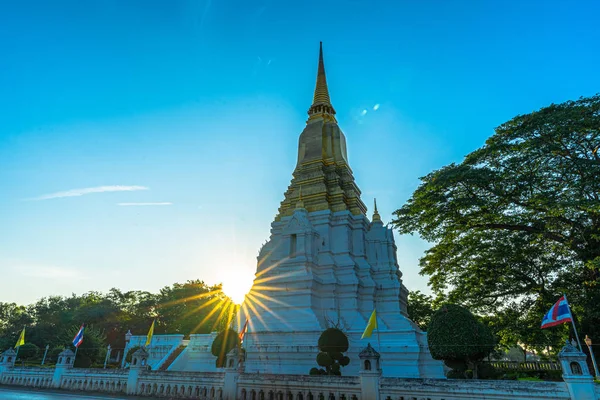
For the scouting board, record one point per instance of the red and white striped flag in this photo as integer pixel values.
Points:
(243, 331)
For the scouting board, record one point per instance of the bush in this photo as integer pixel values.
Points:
(28, 351)
(518, 374)
(332, 343)
(333, 340)
(457, 337)
(455, 374)
(487, 371)
(223, 344)
(52, 356)
(324, 359)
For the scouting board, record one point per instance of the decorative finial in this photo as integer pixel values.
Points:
(300, 203)
(376, 216)
(321, 106)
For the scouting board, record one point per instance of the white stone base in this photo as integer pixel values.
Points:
(404, 354)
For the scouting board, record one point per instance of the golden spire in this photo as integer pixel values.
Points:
(376, 216)
(321, 106)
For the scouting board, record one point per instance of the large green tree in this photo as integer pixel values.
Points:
(518, 221)
(420, 308)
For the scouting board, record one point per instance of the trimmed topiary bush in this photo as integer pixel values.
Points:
(457, 337)
(223, 344)
(332, 345)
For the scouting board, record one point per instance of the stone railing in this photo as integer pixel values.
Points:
(458, 389)
(233, 383)
(33, 377)
(528, 365)
(194, 385)
(262, 386)
(95, 380)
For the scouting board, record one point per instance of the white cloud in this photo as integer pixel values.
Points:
(145, 204)
(363, 112)
(376, 107)
(51, 272)
(81, 192)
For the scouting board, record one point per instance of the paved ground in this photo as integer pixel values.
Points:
(30, 394)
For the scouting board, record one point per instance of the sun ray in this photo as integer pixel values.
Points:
(267, 309)
(227, 305)
(194, 297)
(264, 271)
(255, 313)
(274, 300)
(278, 276)
(208, 303)
(214, 310)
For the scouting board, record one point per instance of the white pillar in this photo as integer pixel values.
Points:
(370, 373)
(64, 363)
(233, 368)
(139, 363)
(576, 374)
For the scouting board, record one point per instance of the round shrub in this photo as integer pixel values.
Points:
(333, 340)
(224, 342)
(324, 359)
(345, 361)
(456, 336)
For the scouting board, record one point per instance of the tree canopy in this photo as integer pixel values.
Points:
(185, 308)
(420, 308)
(517, 223)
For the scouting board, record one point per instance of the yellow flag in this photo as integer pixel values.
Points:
(21, 340)
(372, 324)
(150, 334)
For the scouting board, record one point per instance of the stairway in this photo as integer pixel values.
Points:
(171, 358)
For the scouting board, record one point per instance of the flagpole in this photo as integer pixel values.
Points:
(573, 322)
(377, 327)
(45, 352)
(75, 356)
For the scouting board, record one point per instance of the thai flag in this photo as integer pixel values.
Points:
(558, 314)
(243, 332)
(78, 339)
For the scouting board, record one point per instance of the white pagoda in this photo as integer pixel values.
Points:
(326, 265)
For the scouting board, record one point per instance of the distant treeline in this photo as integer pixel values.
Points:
(182, 308)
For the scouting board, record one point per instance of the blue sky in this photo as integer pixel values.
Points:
(199, 104)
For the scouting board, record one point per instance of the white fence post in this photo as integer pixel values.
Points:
(370, 373)
(576, 373)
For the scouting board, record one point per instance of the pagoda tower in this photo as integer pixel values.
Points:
(326, 264)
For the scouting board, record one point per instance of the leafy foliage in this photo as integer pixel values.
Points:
(333, 343)
(518, 222)
(455, 336)
(92, 349)
(224, 342)
(420, 308)
(28, 351)
(191, 307)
